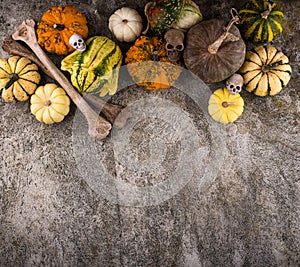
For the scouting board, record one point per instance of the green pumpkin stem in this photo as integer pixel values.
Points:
(214, 47)
(13, 78)
(266, 68)
(226, 104)
(59, 27)
(155, 56)
(267, 12)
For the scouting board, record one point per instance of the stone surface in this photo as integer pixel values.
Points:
(239, 204)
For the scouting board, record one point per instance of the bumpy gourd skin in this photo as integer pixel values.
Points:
(265, 71)
(149, 66)
(50, 104)
(56, 27)
(96, 70)
(19, 78)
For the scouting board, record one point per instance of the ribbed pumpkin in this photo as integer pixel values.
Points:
(49, 103)
(261, 21)
(19, 78)
(96, 70)
(164, 14)
(149, 66)
(211, 57)
(56, 27)
(225, 107)
(265, 70)
(126, 24)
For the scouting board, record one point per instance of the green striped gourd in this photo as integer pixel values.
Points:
(96, 70)
(165, 14)
(261, 21)
(265, 70)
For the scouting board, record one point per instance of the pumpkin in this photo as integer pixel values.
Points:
(49, 103)
(265, 71)
(225, 107)
(96, 70)
(126, 24)
(212, 53)
(261, 21)
(56, 27)
(163, 15)
(149, 66)
(19, 78)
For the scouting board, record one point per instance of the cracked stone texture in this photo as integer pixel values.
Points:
(247, 215)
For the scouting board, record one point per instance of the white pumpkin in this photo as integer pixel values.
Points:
(126, 24)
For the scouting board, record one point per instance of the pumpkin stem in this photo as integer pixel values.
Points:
(59, 27)
(267, 12)
(214, 47)
(226, 104)
(155, 56)
(266, 68)
(13, 78)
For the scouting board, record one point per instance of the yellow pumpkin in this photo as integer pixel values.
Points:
(225, 107)
(265, 70)
(19, 77)
(50, 103)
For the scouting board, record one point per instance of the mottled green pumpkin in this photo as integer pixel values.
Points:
(96, 70)
(261, 21)
(165, 14)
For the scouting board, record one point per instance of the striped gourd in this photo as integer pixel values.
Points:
(96, 70)
(19, 78)
(265, 70)
(261, 21)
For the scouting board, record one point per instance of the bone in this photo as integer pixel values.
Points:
(98, 127)
(111, 111)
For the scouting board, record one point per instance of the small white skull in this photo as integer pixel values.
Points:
(235, 84)
(77, 42)
(174, 44)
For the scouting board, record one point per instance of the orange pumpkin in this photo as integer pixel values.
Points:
(56, 27)
(149, 66)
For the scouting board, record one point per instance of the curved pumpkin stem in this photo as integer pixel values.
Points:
(214, 47)
(267, 12)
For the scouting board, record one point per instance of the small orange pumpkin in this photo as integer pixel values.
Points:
(56, 27)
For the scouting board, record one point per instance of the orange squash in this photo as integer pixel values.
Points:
(56, 27)
(149, 66)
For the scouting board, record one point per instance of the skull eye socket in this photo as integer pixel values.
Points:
(169, 46)
(80, 41)
(238, 87)
(231, 86)
(75, 43)
(179, 47)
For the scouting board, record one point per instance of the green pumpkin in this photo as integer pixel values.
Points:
(96, 70)
(261, 21)
(165, 14)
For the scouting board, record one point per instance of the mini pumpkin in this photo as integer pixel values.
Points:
(261, 21)
(19, 78)
(56, 27)
(49, 103)
(163, 15)
(96, 70)
(148, 64)
(265, 70)
(225, 107)
(126, 24)
(212, 53)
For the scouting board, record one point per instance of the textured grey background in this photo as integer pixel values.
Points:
(248, 216)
